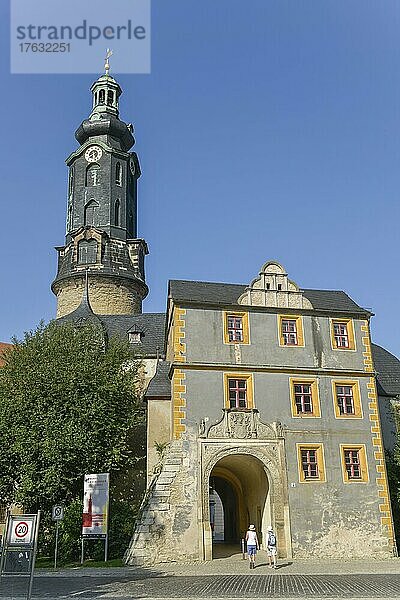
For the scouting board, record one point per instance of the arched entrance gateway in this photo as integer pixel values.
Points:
(241, 484)
(243, 481)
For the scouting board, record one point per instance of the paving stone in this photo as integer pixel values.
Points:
(142, 583)
(276, 586)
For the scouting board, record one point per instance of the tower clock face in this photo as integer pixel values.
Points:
(132, 166)
(93, 154)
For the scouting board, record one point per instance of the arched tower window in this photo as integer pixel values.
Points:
(102, 97)
(92, 175)
(116, 212)
(130, 228)
(69, 218)
(110, 98)
(87, 252)
(118, 174)
(90, 212)
(71, 181)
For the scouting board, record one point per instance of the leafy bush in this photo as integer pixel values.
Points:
(70, 404)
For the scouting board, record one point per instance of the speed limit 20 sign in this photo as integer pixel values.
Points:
(21, 530)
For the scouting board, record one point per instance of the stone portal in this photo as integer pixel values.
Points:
(242, 485)
(249, 480)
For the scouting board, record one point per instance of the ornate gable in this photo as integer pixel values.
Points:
(273, 288)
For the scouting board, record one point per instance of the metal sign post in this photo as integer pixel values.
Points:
(20, 547)
(57, 514)
(35, 543)
(56, 545)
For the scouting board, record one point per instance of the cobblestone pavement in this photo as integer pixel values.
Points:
(207, 586)
(226, 578)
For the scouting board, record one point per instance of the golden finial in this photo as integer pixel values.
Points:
(107, 63)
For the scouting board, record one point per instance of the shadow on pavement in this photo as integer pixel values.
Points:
(77, 583)
(221, 550)
(281, 565)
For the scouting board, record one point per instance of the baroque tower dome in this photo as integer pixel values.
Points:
(101, 229)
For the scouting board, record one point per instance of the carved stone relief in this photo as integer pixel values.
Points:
(244, 425)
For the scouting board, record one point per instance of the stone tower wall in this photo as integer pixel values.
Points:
(108, 296)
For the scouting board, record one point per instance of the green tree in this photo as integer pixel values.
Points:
(69, 405)
(393, 471)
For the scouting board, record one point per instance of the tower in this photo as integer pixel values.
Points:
(101, 227)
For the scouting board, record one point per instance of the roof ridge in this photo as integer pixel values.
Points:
(303, 289)
(134, 316)
(211, 282)
(229, 293)
(385, 349)
(322, 290)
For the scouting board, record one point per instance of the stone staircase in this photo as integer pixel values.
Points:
(149, 536)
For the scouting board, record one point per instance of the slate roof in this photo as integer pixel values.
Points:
(228, 293)
(151, 325)
(204, 292)
(160, 385)
(387, 368)
(83, 313)
(334, 300)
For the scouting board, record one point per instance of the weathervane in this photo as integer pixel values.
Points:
(107, 63)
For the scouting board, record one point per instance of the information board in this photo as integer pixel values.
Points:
(17, 562)
(95, 506)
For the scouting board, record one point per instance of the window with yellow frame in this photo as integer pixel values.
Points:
(311, 463)
(354, 463)
(347, 399)
(236, 327)
(290, 331)
(342, 334)
(238, 390)
(304, 397)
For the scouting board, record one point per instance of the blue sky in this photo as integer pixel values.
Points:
(267, 129)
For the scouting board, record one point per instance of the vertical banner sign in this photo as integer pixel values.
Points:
(95, 505)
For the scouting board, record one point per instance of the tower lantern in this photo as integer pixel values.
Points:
(106, 92)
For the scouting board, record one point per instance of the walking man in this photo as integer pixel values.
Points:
(252, 545)
(271, 548)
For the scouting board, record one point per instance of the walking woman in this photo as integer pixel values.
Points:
(252, 545)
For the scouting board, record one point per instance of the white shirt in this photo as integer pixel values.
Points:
(251, 538)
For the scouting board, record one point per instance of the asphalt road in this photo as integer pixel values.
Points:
(251, 585)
